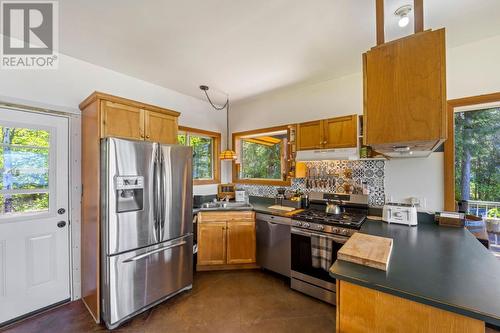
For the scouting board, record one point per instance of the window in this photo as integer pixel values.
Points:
(262, 156)
(24, 166)
(206, 147)
(472, 161)
(477, 155)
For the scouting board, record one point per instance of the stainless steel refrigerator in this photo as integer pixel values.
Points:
(147, 229)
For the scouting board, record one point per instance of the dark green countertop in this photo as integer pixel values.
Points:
(260, 205)
(444, 267)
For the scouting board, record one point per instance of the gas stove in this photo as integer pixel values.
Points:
(343, 224)
(354, 210)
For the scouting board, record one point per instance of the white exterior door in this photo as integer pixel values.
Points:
(34, 231)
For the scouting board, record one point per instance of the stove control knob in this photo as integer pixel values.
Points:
(298, 224)
(335, 230)
(344, 232)
(321, 227)
(306, 225)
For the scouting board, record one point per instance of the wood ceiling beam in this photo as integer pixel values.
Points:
(418, 21)
(379, 8)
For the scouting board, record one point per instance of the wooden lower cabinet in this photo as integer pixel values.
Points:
(212, 247)
(240, 242)
(361, 309)
(226, 240)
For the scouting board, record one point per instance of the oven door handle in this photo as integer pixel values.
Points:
(338, 239)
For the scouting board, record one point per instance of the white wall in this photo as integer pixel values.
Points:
(472, 69)
(66, 87)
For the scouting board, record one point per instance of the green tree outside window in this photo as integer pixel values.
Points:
(203, 148)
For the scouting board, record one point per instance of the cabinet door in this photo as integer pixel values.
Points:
(212, 243)
(341, 132)
(240, 242)
(122, 121)
(405, 90)
(160, 127)
(309, 135)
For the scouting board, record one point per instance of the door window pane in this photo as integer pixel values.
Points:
(24, 168)
(202, 156)
(24, 203)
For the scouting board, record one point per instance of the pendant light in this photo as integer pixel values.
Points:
(227, 154)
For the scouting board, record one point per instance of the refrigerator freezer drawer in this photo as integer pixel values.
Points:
(138, 279)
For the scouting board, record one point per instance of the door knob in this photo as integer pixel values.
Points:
(61, 224)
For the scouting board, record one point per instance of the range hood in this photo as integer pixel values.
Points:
(327, 154)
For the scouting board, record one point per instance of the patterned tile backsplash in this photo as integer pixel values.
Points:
(352, 172)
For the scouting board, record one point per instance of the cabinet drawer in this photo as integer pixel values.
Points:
(226, 216)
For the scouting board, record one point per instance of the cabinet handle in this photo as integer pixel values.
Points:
(147, 136)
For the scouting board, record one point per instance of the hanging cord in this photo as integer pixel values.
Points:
(218, 108)
(227, 124)
(215, 106)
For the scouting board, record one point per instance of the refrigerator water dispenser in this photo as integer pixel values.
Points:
(130, 193)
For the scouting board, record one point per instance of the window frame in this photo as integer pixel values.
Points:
(449, 144)
(260, 181)
(215, 153)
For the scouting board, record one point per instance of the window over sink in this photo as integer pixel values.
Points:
(261, 156)
(206, 147)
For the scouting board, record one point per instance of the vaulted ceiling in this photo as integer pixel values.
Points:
(248, 47)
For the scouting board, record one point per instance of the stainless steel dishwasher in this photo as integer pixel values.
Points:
(273, 243)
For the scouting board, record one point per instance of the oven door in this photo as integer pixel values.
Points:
(302, 268)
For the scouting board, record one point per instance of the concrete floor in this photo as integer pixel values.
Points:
(229, 301)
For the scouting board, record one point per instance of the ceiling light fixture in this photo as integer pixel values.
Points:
(226, 154)
(402, 12)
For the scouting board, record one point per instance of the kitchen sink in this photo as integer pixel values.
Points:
(221, 205)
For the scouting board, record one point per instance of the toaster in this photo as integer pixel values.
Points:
(400, 213)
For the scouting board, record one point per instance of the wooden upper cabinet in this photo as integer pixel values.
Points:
(341, 132)
(309, 135)
(128, 119)
(241, 242)
(211, 243)
(160, 127)
(122, 121)
(405, 92)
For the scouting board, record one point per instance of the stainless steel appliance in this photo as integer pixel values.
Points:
(334, 229)
(273, 243)
(147, 229)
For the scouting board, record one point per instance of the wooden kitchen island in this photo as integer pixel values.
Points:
(439, 279)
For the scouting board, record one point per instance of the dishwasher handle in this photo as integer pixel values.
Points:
(273, 219)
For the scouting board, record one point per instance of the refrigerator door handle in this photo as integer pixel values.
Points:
(156, 194)
(162, 193)
(147, 254)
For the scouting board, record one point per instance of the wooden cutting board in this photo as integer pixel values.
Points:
(367, 250)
